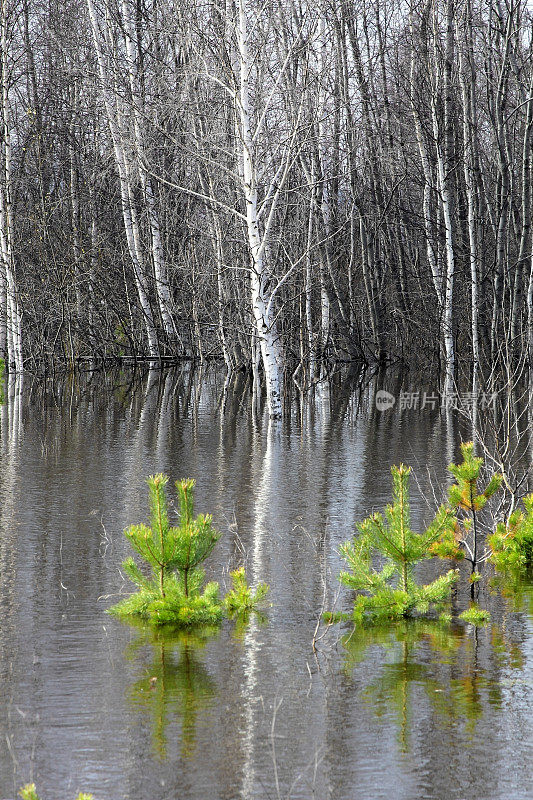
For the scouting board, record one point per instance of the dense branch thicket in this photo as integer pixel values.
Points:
(275, 184)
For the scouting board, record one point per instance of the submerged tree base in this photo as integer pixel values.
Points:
(176, 608)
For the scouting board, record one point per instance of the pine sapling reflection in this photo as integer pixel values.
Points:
(392, 592)
(172, 593)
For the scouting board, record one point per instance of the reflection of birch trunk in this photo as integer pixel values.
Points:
(13, 402)
(252, 661)
(163, 419)
(256, 386)
(10, 440)
(143, 419)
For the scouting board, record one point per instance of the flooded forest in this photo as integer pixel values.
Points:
(266, 400)
(280, 185)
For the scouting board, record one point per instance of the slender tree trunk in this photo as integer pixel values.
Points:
(468, 92)
(261, 305)
(7, 237)
(124, 172)
(160, 272)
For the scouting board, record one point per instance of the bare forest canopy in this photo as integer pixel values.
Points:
(277, 183)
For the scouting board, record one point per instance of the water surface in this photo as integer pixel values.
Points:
(251, 711)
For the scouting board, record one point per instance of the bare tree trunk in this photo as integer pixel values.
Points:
(443, 134)
(160, 271)
(13, 315)
(468, 92)
(261, 300)
(124, 172)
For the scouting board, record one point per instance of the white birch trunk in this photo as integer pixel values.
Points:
(261, 307)
(428, 181)
(13, 312)
(325, 205)
(308, 291)
(93, 261)
(77, 249)
(219, 255)
(443, 149)
(447, 317)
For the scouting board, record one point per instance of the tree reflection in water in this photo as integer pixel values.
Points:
(175, 683)
(442, 660)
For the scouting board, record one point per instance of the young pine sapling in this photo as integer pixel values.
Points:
(462, 540)
(392, 592)
(172, 593)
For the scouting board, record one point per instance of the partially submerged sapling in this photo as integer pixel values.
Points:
(242, 599)
(392, 592)
(173, 593)
(511, 545)
(456, 533)
(29, 792)
(462, 540)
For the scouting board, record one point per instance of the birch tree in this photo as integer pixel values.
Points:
(106, 53)
(10, 311)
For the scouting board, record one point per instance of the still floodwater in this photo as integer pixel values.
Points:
(92, 704)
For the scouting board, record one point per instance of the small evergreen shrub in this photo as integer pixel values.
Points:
(511, 545)
(241, 599)
(392, 592)
(461, 540)
(29, 792)
(475, 615)
(174, 593)
(457, 532)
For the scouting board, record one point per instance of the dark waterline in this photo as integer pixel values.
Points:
(94, 705)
